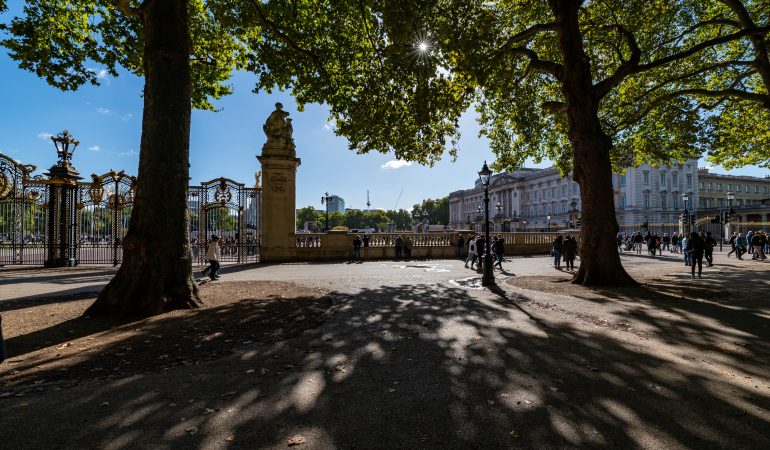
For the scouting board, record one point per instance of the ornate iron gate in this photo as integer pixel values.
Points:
(104, 209)
(230, 210)
(23, 214)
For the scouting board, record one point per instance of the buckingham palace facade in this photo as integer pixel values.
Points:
(541, 199)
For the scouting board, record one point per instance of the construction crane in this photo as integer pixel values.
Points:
(398, 199)
(368, 205)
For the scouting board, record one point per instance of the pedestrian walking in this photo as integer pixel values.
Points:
(569, 251)
(357, 247)
(740, 246)
(472, 255)
(213, 253)
(733, 238)
(696, 246)
(480, 246)
(638, 239)
(499, 248)
(686, 253)
(556, 251)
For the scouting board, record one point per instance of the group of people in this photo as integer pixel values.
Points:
(565, 248)
(359, 242)
(476, 245)
(653, 242)
(754, 243)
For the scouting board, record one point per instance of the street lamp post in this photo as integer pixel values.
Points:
(325, 199)
(499, 215)
(686, 215)
(488, 279)
(524, 223)
(730, 212)
(548, 223)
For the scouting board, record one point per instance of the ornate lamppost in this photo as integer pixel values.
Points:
(524, 222)
(479, 217)
(62, 203)
(325, 199)
(488, 279)
(573, 212)
(548, 222)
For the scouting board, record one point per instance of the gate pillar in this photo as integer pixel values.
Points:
(62, 204)
(279, 175)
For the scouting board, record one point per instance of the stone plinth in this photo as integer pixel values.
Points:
(279, 175)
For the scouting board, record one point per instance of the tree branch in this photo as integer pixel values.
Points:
(554, 107)
(528, 33)
(280, 35)
(124, 6)
(535, 63)
(603, 87)
(606, 85)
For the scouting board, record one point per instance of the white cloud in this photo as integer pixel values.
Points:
(44, 136)
(330, 125)
(102, 110)
(101, 74)
(95, 148)
(396, 164)
(127, 117)
(130, 152)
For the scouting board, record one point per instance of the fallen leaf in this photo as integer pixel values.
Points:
(64, 346)
(21, 405)
(104, 404)
(295, 440)
(515, 434)
(192, 430)
(553, 389)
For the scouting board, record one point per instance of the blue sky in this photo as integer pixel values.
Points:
(107, 121)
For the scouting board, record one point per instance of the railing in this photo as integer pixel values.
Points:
(338, 245)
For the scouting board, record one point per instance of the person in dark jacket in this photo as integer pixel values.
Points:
(557, 248)
(357, 248)
(498, 246)
(696, 246)
(569, 251)
(480, 246)
(399, 247)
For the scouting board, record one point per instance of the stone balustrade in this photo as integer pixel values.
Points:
(338, 245)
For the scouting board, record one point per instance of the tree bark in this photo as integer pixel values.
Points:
(156, 274)
(592, 167)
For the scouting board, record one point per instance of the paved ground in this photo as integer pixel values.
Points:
(412, 358)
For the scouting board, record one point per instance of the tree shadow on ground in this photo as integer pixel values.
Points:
(414, 366)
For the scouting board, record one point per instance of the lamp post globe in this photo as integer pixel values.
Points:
(488, 278)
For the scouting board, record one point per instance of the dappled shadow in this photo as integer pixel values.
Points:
(418, 366)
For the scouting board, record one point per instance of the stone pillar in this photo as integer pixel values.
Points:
(279, 175)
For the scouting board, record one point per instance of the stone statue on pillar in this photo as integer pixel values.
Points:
(279, 178)
(279, 130)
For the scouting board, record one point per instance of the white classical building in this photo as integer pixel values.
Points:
(530, 199)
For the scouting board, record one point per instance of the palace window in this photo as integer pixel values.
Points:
(623, 201)
(675, 201)
(745, 188)
(663, 178)
(727, 188)
(647, 200)
(663, 202)
(689, 181)
(674, 179)
(646, 177)
(710, 184)
(700, 185)
(623, 180)
(719, 186)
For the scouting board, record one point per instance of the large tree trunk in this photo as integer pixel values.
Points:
(156, 274)
(592, 168)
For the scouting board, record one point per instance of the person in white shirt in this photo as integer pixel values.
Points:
(212, 256)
